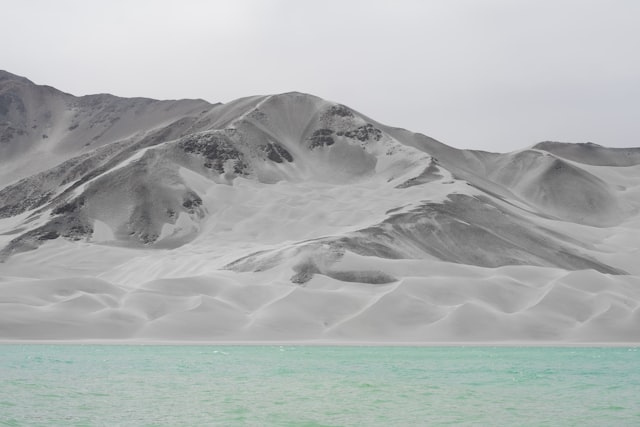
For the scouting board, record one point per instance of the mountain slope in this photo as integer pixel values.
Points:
(187, 220)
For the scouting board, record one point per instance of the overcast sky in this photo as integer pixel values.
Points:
(496, 75)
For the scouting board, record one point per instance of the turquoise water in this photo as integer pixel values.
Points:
(100, 385)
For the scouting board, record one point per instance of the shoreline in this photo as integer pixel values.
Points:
(316, 343)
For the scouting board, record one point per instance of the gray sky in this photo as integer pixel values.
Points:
(496, 75)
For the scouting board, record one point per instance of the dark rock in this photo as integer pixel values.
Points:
(276, 153)
(27, 202)
(283, 152)
(216, 149)
(321, 138)
(340, 111)
(49, 235)
(192, 202)
(78, 232)
(72, 206)
(304, 272)
(363, 133)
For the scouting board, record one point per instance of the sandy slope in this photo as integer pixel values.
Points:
(288, 217)
(430, 301)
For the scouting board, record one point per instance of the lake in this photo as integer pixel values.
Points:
(191, 385)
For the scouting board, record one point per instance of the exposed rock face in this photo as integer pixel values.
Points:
(321, 138)
(277, 153)
(363, 133)
(217, 150)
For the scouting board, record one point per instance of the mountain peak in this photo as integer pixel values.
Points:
(7, 76)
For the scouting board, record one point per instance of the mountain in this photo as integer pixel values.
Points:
(289, 217)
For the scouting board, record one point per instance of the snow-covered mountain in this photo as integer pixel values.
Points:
(289, 217)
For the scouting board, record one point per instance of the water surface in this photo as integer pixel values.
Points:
(111, 385)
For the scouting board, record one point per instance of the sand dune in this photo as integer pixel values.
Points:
(437, 306)
(292, 218)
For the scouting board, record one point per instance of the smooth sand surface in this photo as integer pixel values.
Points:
(431, 301)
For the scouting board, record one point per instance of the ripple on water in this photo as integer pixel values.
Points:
(317, 386)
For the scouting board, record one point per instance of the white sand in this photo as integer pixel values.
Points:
(68, 291)
(435, 302)
(376, 240)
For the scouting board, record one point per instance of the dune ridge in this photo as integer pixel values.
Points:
(434, 302)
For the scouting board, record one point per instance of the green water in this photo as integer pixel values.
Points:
(96, 385)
